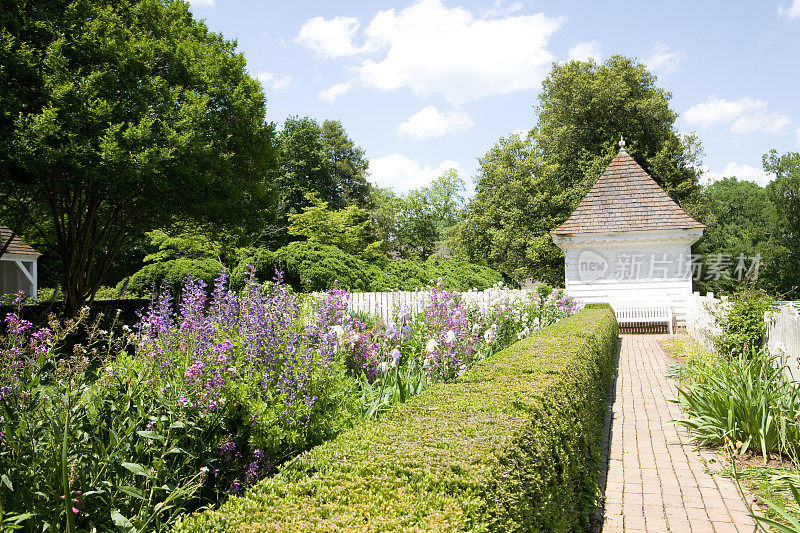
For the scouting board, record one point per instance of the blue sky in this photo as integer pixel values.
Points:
(428, 85)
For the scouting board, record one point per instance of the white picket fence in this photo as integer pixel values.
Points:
(783, 335)
(701, 322)
(387, 304)
(783, 325)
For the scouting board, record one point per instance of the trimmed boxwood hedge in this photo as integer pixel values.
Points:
(512, 445)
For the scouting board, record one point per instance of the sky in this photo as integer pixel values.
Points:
(428, 85)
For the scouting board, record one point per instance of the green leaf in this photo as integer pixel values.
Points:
(7, 482)
(131, 491)
(138, 469)
(122, 523)
(154, 435)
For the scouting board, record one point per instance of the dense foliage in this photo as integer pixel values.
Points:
(120, 117)
(196, 403)
(321, 161)
(512, 445)
(742, 324)
(752, 232)
(311, 266)
(745, 399)
(528, 186)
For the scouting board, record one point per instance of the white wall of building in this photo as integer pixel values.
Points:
(18, 273)
(634, 266)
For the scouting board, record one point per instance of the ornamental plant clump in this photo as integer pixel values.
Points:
(207, 395)
(398, 359)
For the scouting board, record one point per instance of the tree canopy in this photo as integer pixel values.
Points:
(133, 115)
(320, 159)
(528, 186)
(413, 224)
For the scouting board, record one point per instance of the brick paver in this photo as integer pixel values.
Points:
(655, 480)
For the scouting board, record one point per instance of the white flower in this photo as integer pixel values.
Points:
(338, 331)
(426, 363)
(450, 338)
(383, 367)
(354, 337)
(489, 335)
(431, 345)
(476, 328)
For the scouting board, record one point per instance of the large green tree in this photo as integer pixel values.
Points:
(322, 160)
(527, 187)
(784, 190)
(134, 115)
(413, 224)
(741, 219)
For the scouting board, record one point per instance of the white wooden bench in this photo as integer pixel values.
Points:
(643, 312)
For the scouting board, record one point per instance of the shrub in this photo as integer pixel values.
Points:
(170, 275)
(208, 401)
(512, 444)
(310, 266)
(746, 398)
(259, 261)
(743, 326)
(460, 275)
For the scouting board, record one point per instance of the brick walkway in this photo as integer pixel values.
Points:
(656, 481)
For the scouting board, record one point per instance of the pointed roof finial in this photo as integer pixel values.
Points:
(621, 144)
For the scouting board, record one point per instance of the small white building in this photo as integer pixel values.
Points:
(629, 241)
(18, 266)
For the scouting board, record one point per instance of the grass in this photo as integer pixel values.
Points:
(691, 354)
(769, 483)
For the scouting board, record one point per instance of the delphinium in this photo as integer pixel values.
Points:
(251, 356)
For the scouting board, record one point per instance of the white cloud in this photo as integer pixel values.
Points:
(335, 91)
(745, 115)
(765, 122)
(741, 172)
(715, 110)
(586, 50)
(431, 49)
(403, 174)
(499, 9)
(663, 61)
(429, 122)
(793, 11)
(329, 38)
(270, 79)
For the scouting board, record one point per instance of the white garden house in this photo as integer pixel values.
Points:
(628, 243)
(18, 266)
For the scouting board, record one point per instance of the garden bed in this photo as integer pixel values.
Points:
(512, 444)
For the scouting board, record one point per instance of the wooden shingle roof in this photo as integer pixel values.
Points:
(16, 246)
(626, 198)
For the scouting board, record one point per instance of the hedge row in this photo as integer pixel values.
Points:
(512, 445)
